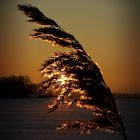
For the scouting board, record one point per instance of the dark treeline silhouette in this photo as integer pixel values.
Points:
(16, 86)
(127, 95)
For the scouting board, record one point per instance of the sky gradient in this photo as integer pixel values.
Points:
(108, 30)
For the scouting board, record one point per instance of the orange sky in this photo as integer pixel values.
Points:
(107, 29)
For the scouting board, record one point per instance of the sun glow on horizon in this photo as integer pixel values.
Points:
(108, 30)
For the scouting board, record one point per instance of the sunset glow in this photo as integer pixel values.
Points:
(109, 32)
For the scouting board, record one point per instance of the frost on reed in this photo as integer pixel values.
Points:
(74, 78)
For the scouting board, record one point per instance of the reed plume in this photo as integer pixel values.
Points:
(74, 78)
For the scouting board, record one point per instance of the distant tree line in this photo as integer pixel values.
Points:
(17, 86)
(127, 95)
(21, 86)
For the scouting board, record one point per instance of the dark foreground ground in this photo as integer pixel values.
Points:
(28, 119)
